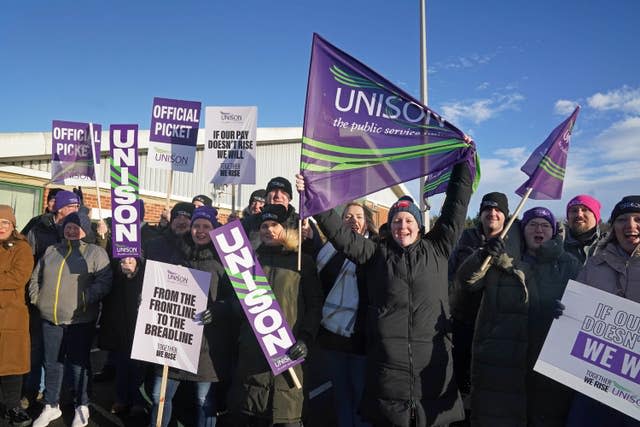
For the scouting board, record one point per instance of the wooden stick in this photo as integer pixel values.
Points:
(169, 188)
(487, 260)
(295, 379)
(299, 244)
(163, 390)
(233, 198)
(96, 171)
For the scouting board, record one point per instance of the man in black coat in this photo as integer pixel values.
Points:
(494, 210)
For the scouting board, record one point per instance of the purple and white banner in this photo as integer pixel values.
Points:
(255, 295)
(71, 155)
(167, 332)
(173, 134)
(125, 206)
(230, 147)
(594, 347)
(361, 134)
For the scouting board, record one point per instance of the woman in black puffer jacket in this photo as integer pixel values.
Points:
(409, 378)
(194, 250)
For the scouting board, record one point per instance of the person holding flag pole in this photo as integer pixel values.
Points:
(521, 292)
(409, 379)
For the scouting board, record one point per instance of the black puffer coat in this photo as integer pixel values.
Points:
(409, 366)
(514, 318)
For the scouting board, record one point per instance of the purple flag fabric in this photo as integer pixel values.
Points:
(256, 297)
(546, 166)
(362, 134)
(125, 206)
(71, 155)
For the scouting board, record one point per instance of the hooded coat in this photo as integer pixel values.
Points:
(613, 270)
(16, 263)
(409, 364)
(515, 314)
(255, 391)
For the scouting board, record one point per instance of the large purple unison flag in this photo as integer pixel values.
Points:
(546, 166)
(71, 155)
(256, 297)
(362, 134)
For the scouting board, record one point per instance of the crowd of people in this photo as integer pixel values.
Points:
(415, 328)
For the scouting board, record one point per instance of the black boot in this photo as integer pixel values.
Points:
(18, 417)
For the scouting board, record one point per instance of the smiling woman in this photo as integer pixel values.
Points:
(614, 268)
(409, 378)
(16, 262)
(519, 293)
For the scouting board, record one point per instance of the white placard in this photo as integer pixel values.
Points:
(594, 347)
(230, 144)
(166, 332)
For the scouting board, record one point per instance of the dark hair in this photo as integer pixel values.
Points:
(368, 216)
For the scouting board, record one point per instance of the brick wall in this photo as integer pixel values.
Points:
(153, 207)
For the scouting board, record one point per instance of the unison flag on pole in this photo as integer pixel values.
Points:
(362, 134)
(546, 166)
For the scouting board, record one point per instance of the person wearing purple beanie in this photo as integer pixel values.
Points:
(521, 289)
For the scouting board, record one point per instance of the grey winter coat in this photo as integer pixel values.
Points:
(69, 281)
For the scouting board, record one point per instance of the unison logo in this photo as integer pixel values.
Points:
(230, 117)
(175, 277)
(364, 99)
(172, 158)
(625, 393)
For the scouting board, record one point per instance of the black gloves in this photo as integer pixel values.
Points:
(205, 317)
(558, 309)
(298, 350)
(493, 247)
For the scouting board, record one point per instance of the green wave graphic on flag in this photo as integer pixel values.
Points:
(351, 80)
(430, 186)
(344, 163)
(552, 168)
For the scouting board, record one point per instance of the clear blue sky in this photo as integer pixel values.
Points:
(506, 72)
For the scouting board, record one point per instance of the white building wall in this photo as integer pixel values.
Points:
(278, 153)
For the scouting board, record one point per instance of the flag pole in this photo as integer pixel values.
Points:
(96, 169)
(424, 98)
(506, 228)
(300, 244)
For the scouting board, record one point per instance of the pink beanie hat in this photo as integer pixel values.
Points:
(591, 203)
